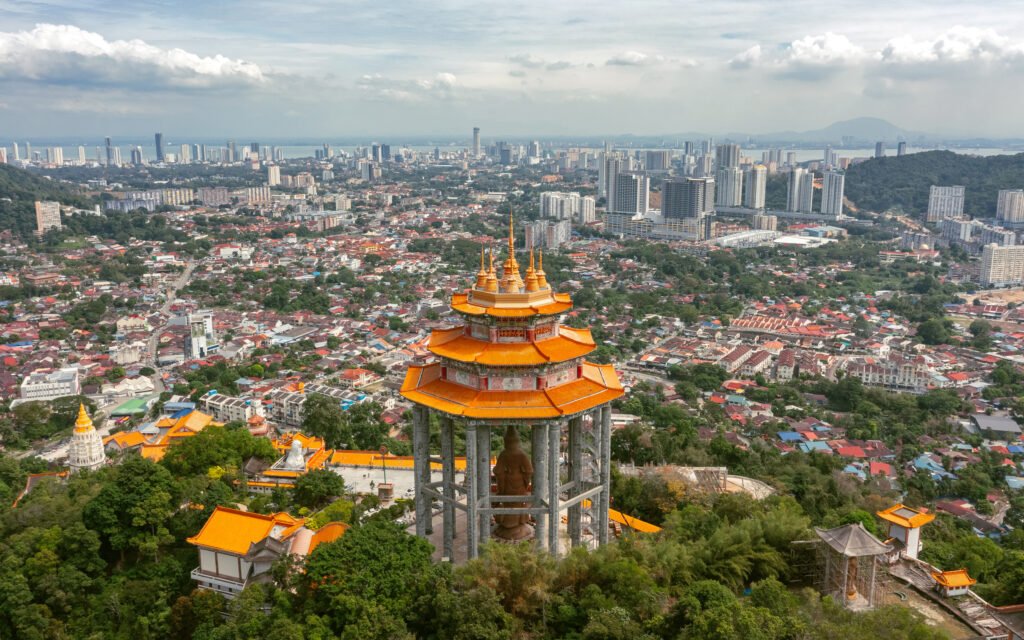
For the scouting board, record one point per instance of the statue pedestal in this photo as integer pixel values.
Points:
(511, 536)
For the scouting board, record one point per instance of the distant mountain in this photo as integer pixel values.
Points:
(857, 130)
(880, 184)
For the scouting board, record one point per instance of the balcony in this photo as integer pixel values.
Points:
(228, 587)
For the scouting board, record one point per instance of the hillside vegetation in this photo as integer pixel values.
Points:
(880, 184)
(19, 189)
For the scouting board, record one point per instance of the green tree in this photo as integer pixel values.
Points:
(317, 487)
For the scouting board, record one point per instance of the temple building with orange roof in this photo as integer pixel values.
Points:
(905, 527)
(513, 364)
(152, 441)
(238, 548)
(300, 455)
(953, 583)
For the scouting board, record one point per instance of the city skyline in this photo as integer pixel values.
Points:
(530, 69)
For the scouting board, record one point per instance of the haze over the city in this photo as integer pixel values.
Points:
(98, 67)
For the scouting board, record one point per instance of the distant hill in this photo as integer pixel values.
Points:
(880, 184)
(857, 130)
(19, 189)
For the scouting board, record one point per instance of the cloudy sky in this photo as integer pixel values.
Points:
(438, 67)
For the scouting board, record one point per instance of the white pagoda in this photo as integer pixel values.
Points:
(86, 449)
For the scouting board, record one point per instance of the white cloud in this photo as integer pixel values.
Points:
(959, 44)
(67, 55)
(633, 59)
(527, 60)
(441, 86)
(747, 59)
(829, 49)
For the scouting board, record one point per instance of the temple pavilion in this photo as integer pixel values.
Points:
(514, 367)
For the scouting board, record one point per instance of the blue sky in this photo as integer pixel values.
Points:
(209, 68)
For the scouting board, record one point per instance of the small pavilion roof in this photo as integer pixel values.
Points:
(234, 531)
(853, 541)
(906, 517)
(953, 579)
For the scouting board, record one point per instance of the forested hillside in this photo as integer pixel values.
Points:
(19, 189)
(880, 184)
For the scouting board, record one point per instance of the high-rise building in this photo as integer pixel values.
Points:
(727, 155)
(611, 165)
(830, 157)
(756, 183)
(17, 152)
(632, 193)
(47, 216)
(658, 160)
(800, 195)
(201, 340)
(683, 198)
(232, 155)
(1001, 265)
(476, 142)
(533, 151)
(832, 193)
(791, 158)
(880, 149)
(764, 222)
(273, 175)
(110, 153)
(136, 156)
(3, 155)
(945, 202)
(729, 187)
(55, 156)
(901, 149)
(81, 154)
(158, 141)
(547, 234)
(185, 156)
(1010, 205)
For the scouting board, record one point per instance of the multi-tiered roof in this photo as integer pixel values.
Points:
(512, 359)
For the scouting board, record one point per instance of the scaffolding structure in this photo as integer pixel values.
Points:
(848, 565)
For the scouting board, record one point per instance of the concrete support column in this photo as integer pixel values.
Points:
(448, 488)
(472, 542)
(483, 470)
(604, 499)
(421, 467)
(554, 519)
(539, 442)
(576, 477)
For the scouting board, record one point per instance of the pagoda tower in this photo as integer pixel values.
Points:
(86, 449)
(515, 367)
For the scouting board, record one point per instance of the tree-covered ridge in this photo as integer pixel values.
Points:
(880, 184)
(19, 189)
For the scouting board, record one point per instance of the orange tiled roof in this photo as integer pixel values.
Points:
(598, 385)
(905, 516)
(562, 303)
(234, 531)
(456, 345)
(126, 439)
(328, 533)
(953, 579)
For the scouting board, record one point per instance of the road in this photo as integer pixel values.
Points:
(154, 338)
(53, 452)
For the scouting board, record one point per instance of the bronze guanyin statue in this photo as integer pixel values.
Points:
(513, 474)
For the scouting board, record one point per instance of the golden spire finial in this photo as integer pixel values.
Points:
(481, 275)
(84, 422)
(542, 278)
(531, 276)
(511, 233)
(491, 283)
